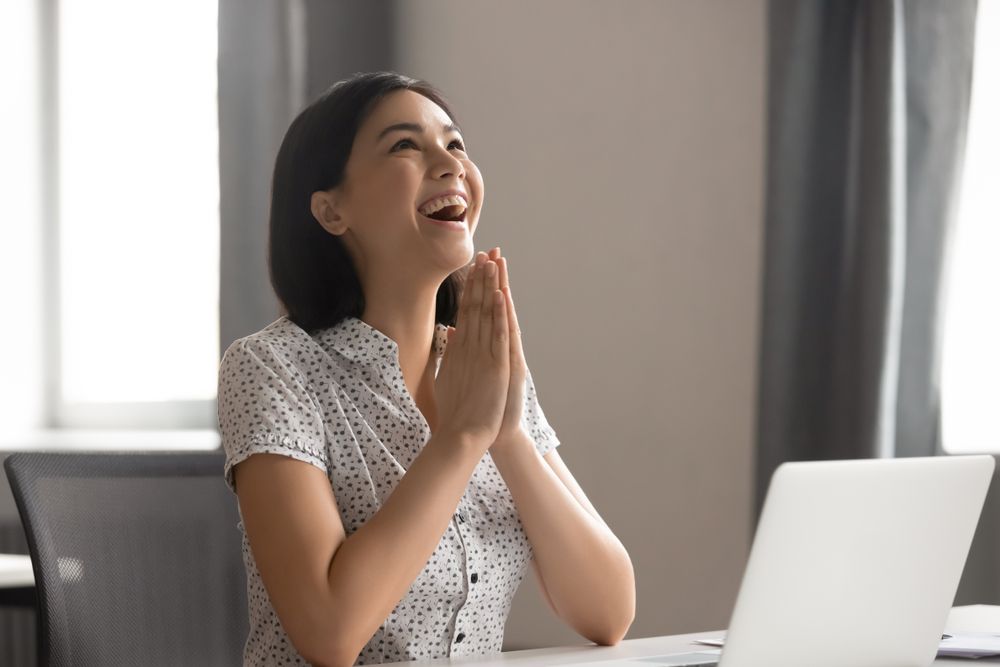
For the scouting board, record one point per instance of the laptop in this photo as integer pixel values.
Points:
(854, 564)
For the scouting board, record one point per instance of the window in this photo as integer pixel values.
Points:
(21, 282)
(112, 296)
(970, 374)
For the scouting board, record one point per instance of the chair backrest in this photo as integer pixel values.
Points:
(136, 556)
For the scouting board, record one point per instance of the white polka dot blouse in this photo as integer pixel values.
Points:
(336, 399)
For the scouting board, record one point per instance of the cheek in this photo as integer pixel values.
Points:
(393, 190)
(476, 184)
(395, 183)
(475, 176)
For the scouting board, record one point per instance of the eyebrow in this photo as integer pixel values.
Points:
(414, 127)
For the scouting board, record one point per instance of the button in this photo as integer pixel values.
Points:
(475, 577)
(460, 637)
(461, 517)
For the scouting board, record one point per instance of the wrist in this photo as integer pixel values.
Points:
(516, 441)
(465, 441)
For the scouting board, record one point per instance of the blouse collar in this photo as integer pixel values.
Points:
(355, 339)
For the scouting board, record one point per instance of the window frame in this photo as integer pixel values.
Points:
(74, 424)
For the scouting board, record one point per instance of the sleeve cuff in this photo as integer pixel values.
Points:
(272, 443)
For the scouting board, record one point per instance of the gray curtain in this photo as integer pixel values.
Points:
(276, 56)
(867, 110)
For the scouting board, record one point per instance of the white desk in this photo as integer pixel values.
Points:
(17, 581)
(969, 619)
(15, 571)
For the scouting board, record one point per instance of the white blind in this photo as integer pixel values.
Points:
(21, 382)
(139, 200)
(970, 374)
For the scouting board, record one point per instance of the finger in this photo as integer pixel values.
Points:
(471, 304)
(463, 312)
(495, 253)
(516, 351)
(505, 286)
(504, 281)
(489, 287)
(501, 328)
(477, 303)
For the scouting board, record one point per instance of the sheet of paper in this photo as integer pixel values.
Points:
(970, 645)
(710, 641)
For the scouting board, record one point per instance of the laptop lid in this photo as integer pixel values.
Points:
(856, 563)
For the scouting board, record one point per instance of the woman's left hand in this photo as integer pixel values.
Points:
(510, 428)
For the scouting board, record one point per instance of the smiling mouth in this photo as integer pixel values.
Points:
(449, 214)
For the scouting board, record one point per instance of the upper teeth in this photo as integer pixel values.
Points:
(437, 204)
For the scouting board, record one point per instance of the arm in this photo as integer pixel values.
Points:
(332, 592)
(586, 573)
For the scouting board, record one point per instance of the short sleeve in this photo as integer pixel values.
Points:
(533, 420)
(265, 407)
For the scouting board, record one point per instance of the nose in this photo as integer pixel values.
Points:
(446, 164)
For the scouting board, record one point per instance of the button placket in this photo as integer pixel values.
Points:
(462, 620)
(464, 613)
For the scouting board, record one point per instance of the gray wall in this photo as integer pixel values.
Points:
(622, 149)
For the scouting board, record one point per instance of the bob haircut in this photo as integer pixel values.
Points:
(311, 271)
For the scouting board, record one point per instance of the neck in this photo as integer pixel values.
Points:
(408, 319)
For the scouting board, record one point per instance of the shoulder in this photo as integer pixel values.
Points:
(281, 339)
(281, 348)
(282, 334)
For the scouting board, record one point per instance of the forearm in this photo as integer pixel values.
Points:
(587, 572)
(377, 564)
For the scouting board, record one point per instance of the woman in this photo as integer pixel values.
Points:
(394, 470)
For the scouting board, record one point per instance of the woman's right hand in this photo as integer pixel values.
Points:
(471, 386)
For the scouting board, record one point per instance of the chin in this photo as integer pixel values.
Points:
(451, 259)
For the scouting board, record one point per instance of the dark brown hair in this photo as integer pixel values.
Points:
(311, 271)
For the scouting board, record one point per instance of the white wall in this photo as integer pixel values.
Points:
(622, 148)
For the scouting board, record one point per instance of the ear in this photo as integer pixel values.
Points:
(324, 208)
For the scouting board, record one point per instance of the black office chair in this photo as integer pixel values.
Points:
(136, 557)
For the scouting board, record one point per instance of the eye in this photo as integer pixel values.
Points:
(403, 141)
(454, 142)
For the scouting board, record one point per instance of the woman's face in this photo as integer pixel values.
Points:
(390, 173)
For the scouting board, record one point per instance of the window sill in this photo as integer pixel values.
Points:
(71, 440)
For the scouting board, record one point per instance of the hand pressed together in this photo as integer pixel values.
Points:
(481, 382)
(511, 426)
